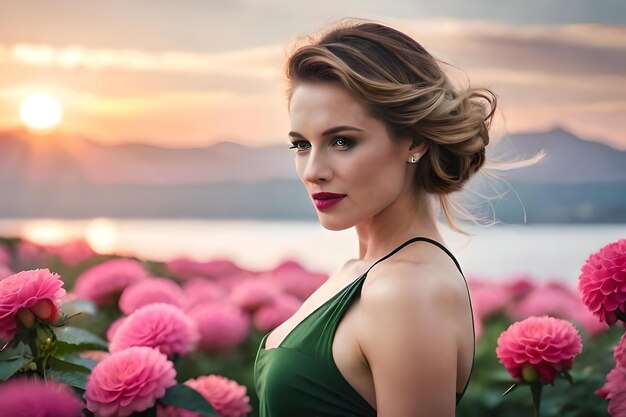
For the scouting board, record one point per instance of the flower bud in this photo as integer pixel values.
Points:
(528, 373)
(45, 310)
(25, 317)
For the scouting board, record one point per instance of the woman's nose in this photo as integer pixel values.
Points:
(316, 167)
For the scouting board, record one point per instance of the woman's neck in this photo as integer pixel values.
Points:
(397, 223)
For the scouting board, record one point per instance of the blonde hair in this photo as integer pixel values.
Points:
(402, 85)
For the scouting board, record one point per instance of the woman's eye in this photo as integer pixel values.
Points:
(296, 145)
(344, 142)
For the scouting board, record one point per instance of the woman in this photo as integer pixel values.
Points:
(380, 136)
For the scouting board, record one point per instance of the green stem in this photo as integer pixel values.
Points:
(535, 389)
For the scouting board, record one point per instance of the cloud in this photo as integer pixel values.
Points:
(572, 75)
(259, 63)
(582, 49)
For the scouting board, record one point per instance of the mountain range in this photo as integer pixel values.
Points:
(580, 180)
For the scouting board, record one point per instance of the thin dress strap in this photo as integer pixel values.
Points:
(434, 242)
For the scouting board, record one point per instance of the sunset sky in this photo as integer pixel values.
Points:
(195, 72)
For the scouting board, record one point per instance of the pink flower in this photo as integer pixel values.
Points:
(161, 326)
(489, 299)
(149, 291)
(588, 321)
(5, 271)
(558, 300)
(73, 252)
(102, 283)
(5, 255)
(520, 285)
(296, 280)
(615, 391)
(619, 353)
(113, 327)
(28, 294)
(201, 290)
(254, 293)
(280, 309)
(186, 268)
(31, 253)
(23, 397)
(231, 281)
(552, 299)
(225, 395)
(128, 381)
(602, 282)
(222, 326)
(546, 344)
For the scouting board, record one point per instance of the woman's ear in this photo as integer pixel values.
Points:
(418, 146)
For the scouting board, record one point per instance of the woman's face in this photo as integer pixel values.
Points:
(341, 149)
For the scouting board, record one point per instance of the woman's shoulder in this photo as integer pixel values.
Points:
(425, 281)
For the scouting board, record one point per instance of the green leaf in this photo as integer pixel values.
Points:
(14, 352)
(73, 379)
(182, 396)
(74, 339)
(67, 372)
(78, 360)
(8, 368)
(61, 365)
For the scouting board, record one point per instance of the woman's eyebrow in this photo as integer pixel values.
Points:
(330, 131)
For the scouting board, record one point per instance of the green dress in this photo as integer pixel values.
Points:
(299, 378)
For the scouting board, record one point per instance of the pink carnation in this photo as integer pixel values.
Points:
(588, 321)
(602, 282)
(619, 353)
(23, 397)
(5, 271)
(39, 291)
(231, 281)
(552, 299)
(615, 391)
(296, 280)
(128, 381)
(254, 293)
(149, 291)
(200, 290)
(225, 395)
(31, 253)
(113, 327)
(519, 285)
(161, 326)
(489, 299)
(546, 343)
(5, 255)
(72, 253)
(186, 268)
(102, 283)
(280, 309)
(222, 326)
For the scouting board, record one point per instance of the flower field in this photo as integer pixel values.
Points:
(95, 335)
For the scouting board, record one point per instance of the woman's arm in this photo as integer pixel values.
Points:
(407, 332)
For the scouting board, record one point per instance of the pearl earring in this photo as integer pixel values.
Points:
(414, 158)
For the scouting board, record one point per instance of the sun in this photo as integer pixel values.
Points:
(41, 111)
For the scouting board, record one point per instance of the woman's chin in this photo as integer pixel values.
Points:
(334, 224)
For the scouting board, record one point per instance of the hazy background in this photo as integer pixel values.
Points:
(174, 114)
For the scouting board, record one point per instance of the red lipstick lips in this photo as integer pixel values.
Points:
(326, 200)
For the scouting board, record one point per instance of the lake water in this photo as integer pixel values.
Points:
(496, 252)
